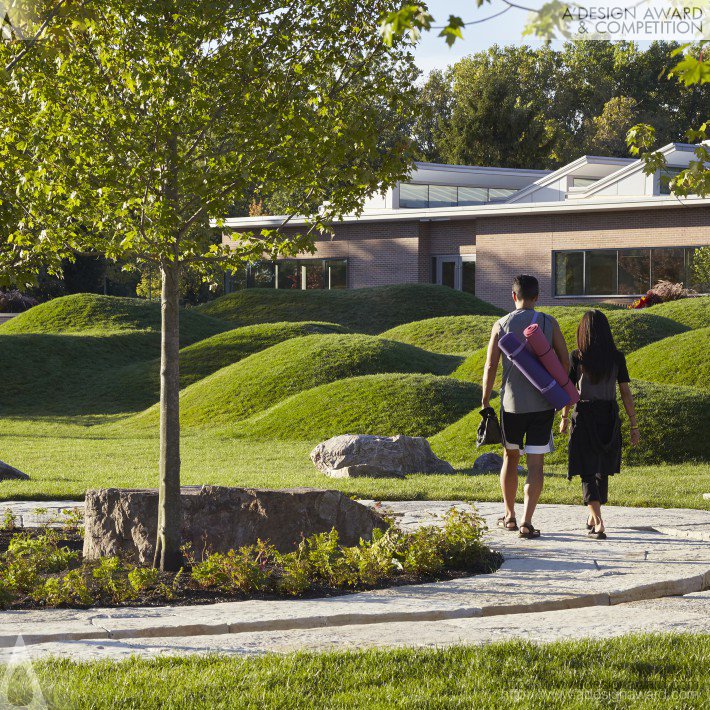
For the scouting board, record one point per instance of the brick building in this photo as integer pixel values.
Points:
(597, 229)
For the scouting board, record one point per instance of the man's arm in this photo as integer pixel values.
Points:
(491, 369)
(560, 346)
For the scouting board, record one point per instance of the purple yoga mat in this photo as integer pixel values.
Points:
(533, 371)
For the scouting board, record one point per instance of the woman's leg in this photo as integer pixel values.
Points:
(592, 499)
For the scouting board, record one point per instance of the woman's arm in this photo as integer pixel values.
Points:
(628, 399)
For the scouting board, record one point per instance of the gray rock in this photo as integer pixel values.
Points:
(8, 472)
(488, 463)
(218, 519)
(491, 463)
(351, 455)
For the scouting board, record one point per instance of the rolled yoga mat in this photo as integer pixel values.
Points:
(533, 371)
(548, 359)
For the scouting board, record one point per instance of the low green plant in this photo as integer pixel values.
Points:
(111, 577)
(243, 570)
(143, 578)
(9, 520)
(73, 589)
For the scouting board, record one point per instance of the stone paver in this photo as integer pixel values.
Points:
(650, 553)
(687, 614)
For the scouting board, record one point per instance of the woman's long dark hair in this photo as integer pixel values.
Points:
(595, 343)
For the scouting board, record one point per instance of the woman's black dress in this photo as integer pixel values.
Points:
(595, 436)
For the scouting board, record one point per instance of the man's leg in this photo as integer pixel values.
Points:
(533, 485)
(509, 480)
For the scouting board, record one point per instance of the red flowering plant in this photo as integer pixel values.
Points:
(663, 291)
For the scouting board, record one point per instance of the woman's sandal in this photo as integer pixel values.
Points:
(590, 527)
(594, 535)
(505, 521)
(531, 531)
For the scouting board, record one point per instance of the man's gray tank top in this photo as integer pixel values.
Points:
(518, 396)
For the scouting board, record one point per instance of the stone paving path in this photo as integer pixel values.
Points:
(561, 585)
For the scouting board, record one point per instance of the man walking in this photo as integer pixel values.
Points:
(526, 417)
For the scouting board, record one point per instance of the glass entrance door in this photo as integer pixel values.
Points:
(458, 272)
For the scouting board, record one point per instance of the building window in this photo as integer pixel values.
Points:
(600, 272)
(426, 196)
(468, 275)
(634, 271)
(665, 177)
(413, 196)
(569, 273)
(290, 274)
(472, 196)
(583, 182)
(623, 272)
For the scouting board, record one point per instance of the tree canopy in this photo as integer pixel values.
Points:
(141, 121)
(541, 108)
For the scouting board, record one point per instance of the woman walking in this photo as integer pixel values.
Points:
(596, 367)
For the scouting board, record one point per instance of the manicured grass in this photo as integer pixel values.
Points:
(137, 385)
(693, 312)
(632, 329)
(270, 376)
(89, 313)
(578, 311)
(674, 422)
(645, 671)
(46, 373)
(388, 404)
(679, 360)
(64, 458)
(447, 334)
(365, 310)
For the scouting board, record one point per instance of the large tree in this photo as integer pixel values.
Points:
(157, 115)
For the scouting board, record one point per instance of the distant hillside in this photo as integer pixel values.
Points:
(365, 310)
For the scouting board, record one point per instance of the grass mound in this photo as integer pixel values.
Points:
(89, 313)
(680, 360)
(632, 329)
(365, 310)
(693, 312)
(578, 311)
(49, 374)
(386, 404)
(267, 377)
(446, 334)
(673, 422)
(137, 385)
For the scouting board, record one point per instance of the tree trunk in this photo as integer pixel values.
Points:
(167, 551)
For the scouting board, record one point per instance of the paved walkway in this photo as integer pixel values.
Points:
(561, 585)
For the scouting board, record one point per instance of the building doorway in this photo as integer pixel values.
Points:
(454, 271)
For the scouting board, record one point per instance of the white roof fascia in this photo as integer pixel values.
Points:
(443, 214)
(566, 170)
(442, 167)
(634, 167)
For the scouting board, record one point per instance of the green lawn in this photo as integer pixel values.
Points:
(81, 376)
(65, 458)
(653, 671)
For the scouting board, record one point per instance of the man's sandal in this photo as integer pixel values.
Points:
(531, 531)
(505, 521)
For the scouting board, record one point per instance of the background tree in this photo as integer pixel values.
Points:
(158, 115)
(543, 108)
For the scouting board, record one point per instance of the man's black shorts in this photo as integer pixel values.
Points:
(530, 432)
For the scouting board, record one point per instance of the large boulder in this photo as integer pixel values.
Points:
(491, 463)
(218, 519)
(351, 455)
(7, 472)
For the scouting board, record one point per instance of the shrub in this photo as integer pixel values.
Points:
(663, 292)
(13, 301)
(111, 578)
(243, 570)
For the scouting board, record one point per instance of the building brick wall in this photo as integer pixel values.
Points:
(382, 253)
(507, 246)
